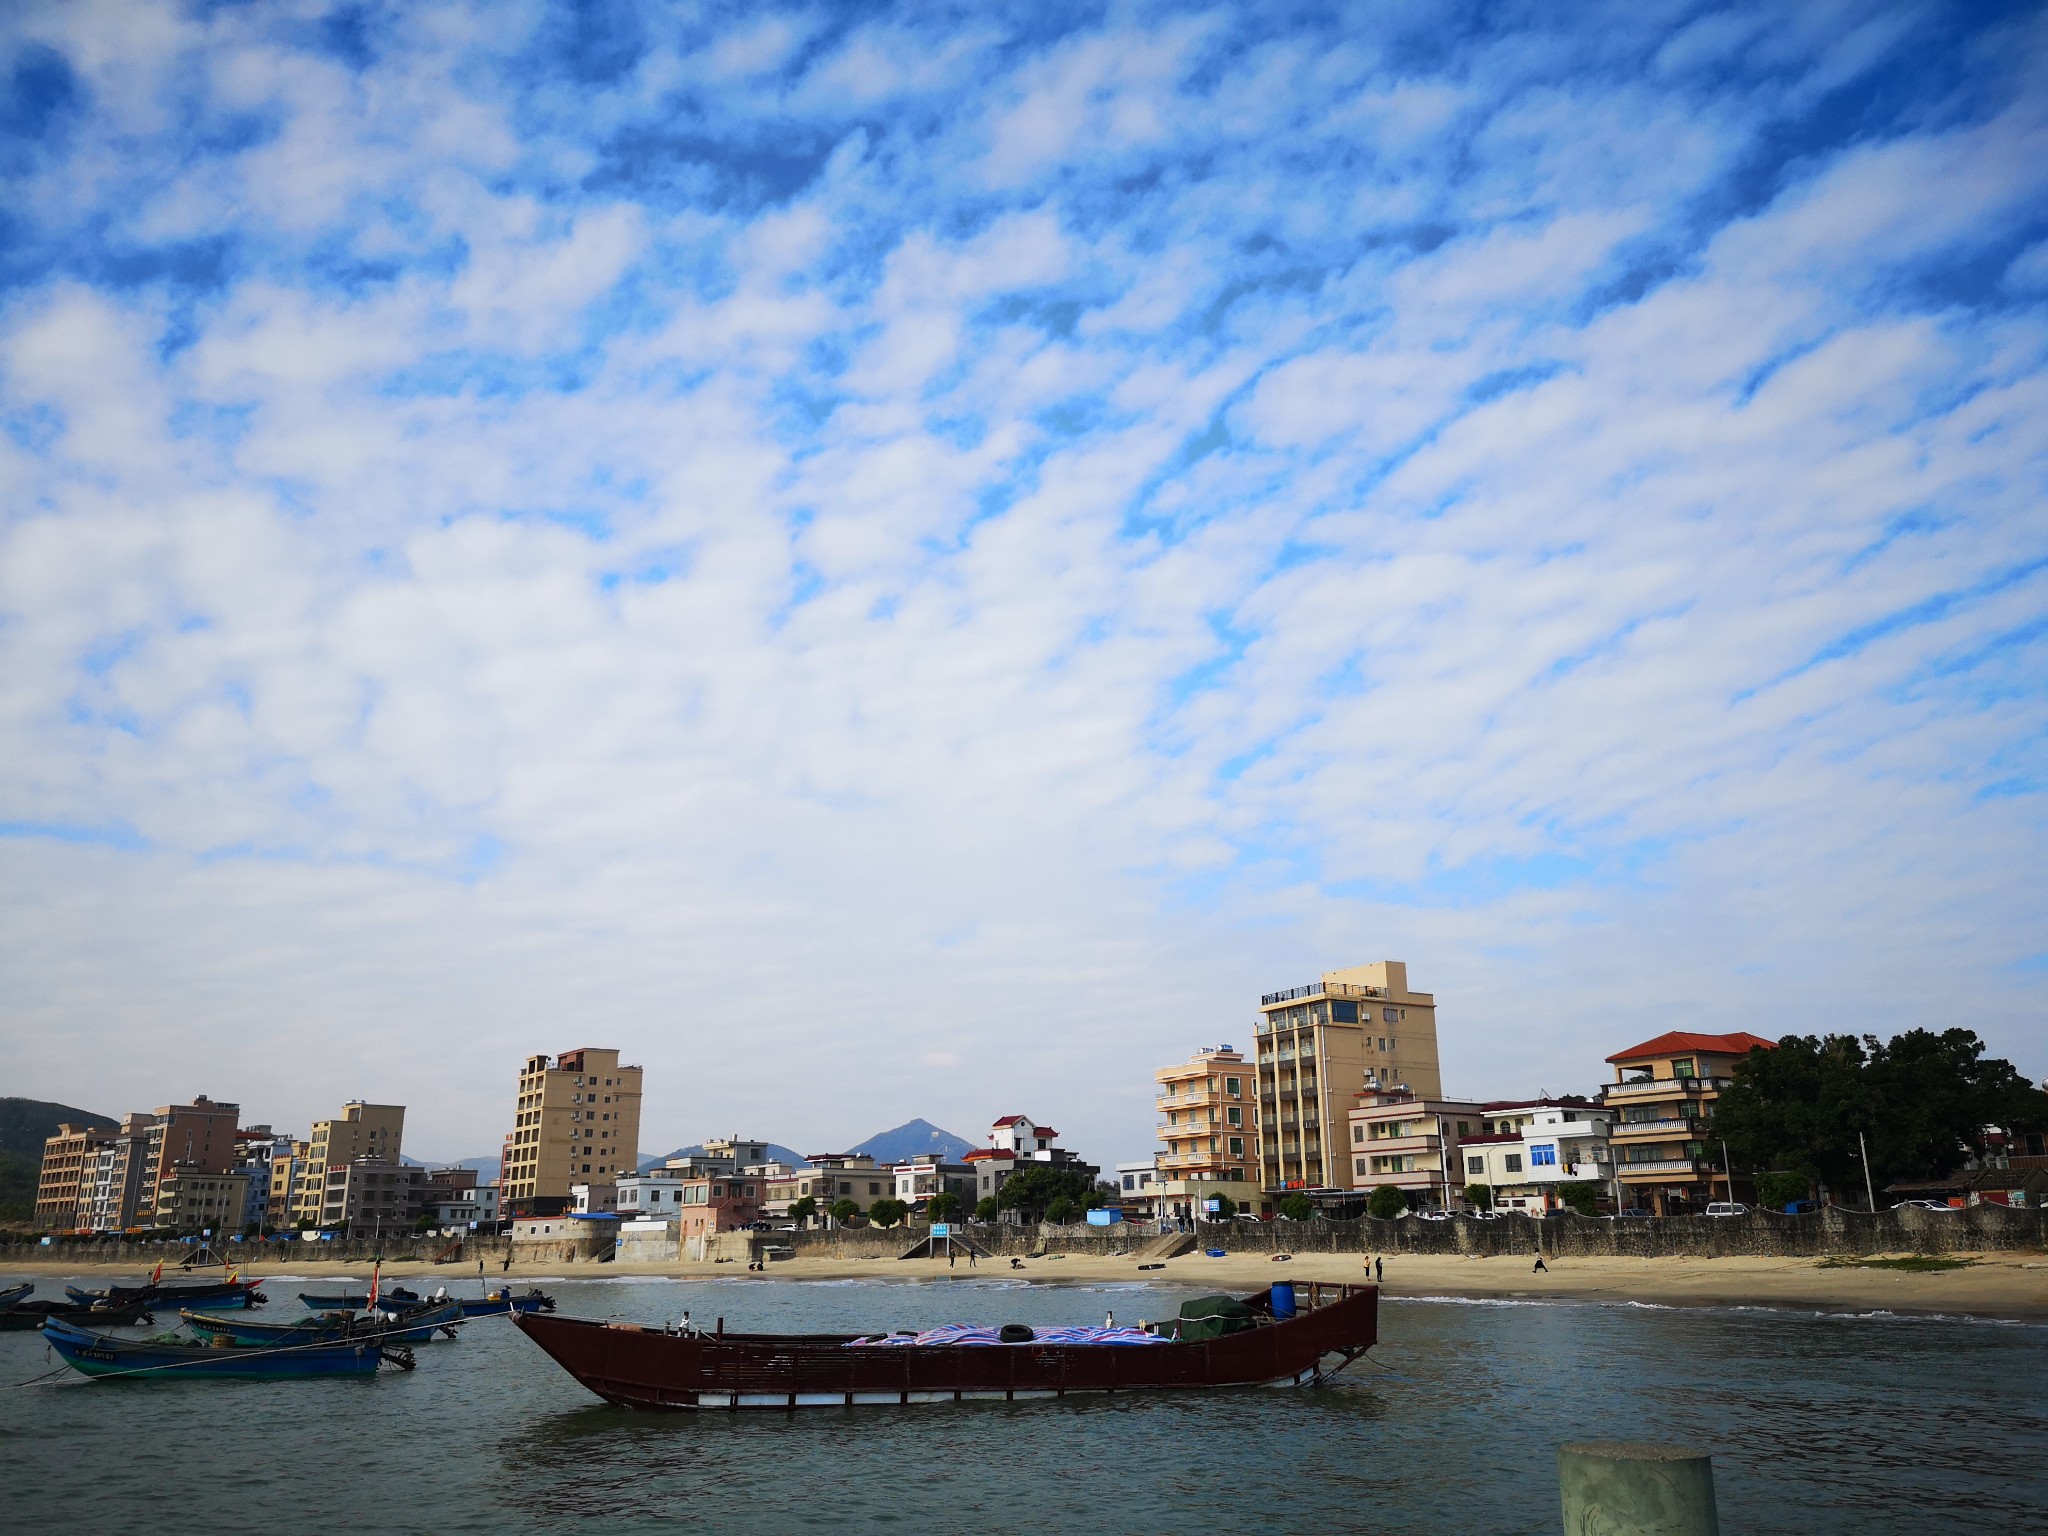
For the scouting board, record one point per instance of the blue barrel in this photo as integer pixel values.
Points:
(1283, 1298)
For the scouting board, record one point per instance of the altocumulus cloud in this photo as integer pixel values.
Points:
(895, 561)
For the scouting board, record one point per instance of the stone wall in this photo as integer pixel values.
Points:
(1981, 1229)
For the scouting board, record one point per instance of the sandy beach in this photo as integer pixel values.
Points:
(2003, 1285)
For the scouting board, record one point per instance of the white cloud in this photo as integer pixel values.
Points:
(541, 584)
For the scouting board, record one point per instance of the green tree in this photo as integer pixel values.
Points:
(944, 1206)
(804, 1211)
(1583, 1198)
(987, 1208)
(1778, 1190)
(1297, 1206)
(887, 1212)
(842, 1210)
(1033, 1189)
(1226, 1207)
(1063, 1209)
(1385, 1203)
(1479, 1196)
(1922, 1101)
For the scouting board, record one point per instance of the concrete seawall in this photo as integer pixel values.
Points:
(1761, 1234)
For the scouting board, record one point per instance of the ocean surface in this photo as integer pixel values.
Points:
(1817, 1423)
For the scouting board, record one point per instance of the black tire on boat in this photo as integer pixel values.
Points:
(1015, 1333)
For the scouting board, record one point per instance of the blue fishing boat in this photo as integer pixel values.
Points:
(211, 1294)
(15, 1293)
(26, 1315)
(499, 1303)
(412, 1325)
(359, 1301)
(103, 1355)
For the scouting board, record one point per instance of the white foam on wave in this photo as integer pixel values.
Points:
(1788, 1310)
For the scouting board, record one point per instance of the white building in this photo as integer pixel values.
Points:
(654, 1195)
(1138, 1190)
(600, 1199)
(1537, 1146)
(928, 1175)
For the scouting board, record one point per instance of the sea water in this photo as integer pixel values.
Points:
(1817, 1423)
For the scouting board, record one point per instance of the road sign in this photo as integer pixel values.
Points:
(942, 1229)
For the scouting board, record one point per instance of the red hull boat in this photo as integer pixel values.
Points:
(649, 1367)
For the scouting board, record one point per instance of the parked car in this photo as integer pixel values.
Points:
(1924, 1205)
(1483, 1215)
(1727, 1208)
(1429, 1215)
(1801, 1207)
(1632, 1213)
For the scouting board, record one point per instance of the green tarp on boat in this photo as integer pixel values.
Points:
(1210, 1317)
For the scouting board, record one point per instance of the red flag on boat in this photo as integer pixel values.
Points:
(157, 1273)
(376, 1277)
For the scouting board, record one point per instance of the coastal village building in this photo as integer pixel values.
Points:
(64, 1188)
(831, 1177)
(373, 1195)
(1412, 1142)
(288, 1158)
(1662, 1095)
(1534, 1148)
(1318, 1046)
(1014, 1141)
(194, 1138)
(190, 1200)
(360, 1130)
(577, 1118)
(928, 1175)
(119, 1165)
(1209, 1120)
(1138, 1189)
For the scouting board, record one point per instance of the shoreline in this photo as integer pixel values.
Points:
(2007, 1287)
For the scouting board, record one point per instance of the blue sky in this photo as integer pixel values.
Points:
(896, 561)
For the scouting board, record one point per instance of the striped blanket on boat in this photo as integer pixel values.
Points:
(968, 1333)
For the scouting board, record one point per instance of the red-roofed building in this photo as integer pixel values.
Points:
(1662, 1095)
(1014, 1140)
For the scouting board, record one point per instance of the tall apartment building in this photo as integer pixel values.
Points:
(64, 1188)
(120, 1166)
(195, 1138)
(1321, 1045)
(1210, 1124)
(360, 1130)
(578, 1119)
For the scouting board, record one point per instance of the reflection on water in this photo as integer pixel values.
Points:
(1818, 1425)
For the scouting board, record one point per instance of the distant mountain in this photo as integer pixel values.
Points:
(25, 1124)
(777, 1153)
(911, 1138)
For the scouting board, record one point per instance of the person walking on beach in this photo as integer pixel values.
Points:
(1379, 1270)
(1541, 1267)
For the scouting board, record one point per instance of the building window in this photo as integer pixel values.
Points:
(1543, 1157)
(1513, 1162)
(1234, 1115)
(1475, 1165)
(1683, 1067)
(1358, 1133)
(1388, 1015)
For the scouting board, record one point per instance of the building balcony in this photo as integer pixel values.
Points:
(1655, 1130)
(1667, 1168)
(1662, 1087)
(1317, 989)
(1389, 1145)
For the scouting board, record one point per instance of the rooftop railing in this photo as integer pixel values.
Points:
(1317, 989)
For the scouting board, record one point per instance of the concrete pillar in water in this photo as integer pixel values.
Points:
(1627, 1488)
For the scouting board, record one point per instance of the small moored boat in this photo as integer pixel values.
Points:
(212, 1294)
(15, 1293)
(410, 1325)
(24, 1315)
(99, 1354)
(1284, 1335)
(358, 1301)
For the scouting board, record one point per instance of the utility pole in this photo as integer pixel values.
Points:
(1727, 1169)
(1868, 1193)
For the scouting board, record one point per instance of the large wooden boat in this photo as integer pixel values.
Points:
(654, 1367)
(489, 1305)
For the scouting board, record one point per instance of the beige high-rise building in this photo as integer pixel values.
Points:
(360, 1130)
(1318, 1047)
(577, 1122)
